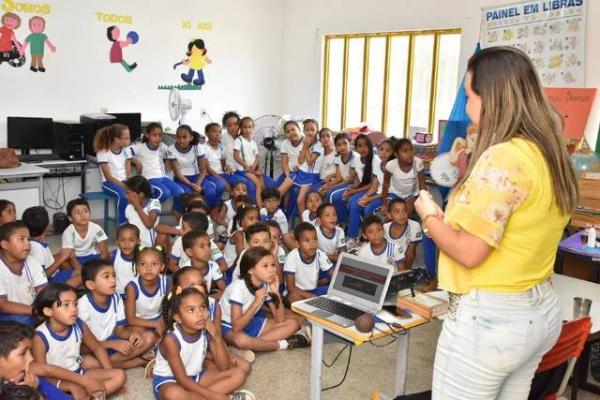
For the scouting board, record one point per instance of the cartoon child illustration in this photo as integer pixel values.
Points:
(10, 48)
(116, 50)
(37, 38)
(196, 61)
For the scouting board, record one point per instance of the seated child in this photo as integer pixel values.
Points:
(271, 210)
(240, 201)
(304, 266)
(244, 219)
(404, 232)
(313, 201)
(128, 239)
(86, 238)
(378, 248)
(229, 208)
(142, 211)
(179, 369)
(8, 212)
(330, 236)
(103, 312)
(21, 276)
(144, 294)
(59, 338)
(259, 235)
(243, 326)
(37, 221)
(18, 368)
(196, 245)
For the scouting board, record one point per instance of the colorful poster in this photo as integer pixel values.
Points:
(574, 105)
(550, 32)
(194, 63)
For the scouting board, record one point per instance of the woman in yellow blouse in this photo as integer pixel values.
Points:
(499, 235)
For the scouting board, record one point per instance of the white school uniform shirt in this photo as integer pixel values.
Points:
(327, 164)
(229, 252)
(41, 252)
(148, 305)
(123, 269)
(306, 217)
(281, 256)
(192, 351)
(62, 351)
(229, 210)
(331, 244)
(405, 184)
(152, 159)
(345, 166)
(102, 321)
(83, 246)
(228, 142)
(237, 293)
(213, 274)
(22, 288)
(116, 163)
(278, 217)
(411, 234)
(391, 254)
(178, 254)
(306, 272)
(378, 172)
(186, 160)
(147, 236)
(315, 167)
(215, 157)
(292, 152)
(248, 152)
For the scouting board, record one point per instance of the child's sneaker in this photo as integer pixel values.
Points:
(297, 342)
(352, 243)
(247, 355)
(305, 331)
(242, 395)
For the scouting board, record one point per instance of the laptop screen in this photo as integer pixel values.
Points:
(361, 279)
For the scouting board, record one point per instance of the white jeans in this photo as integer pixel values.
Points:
(493, 346)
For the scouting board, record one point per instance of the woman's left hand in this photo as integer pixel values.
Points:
(425, 205)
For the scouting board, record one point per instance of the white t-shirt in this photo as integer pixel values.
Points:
(306, 217)
(186, 160)
(85, 246)
(102, 321)
(412, 234)
(152, 159)
(236, 293)
(378, 168)
(62, 351)
(314, 168)
(123, 270)
(327, 164)
(405, 184)
(22, 288)
(40, 251)
(248, 152)
(228, 142)
(116, 163)
(213, 274)
(229, 210)
(331, 244)
(306, 272)
(391, 254)
(345, 166)
(230, 252)
(178, 254)
(148, 305)
(292, 152)
(192, 351)
(147, 236)
(278, 217)
(215, 157)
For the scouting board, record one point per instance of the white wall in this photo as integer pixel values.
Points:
(245, 45)
(306, 22)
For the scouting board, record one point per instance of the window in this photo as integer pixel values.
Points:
(398, 82)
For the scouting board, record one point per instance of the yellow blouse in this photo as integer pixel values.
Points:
(508, 201)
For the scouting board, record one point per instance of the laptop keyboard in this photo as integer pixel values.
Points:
(336, 308)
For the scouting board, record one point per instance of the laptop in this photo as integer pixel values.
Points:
(357, 286)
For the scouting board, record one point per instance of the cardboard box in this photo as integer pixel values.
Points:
(423, 304)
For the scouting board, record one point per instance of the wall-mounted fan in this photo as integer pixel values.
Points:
(267, 129)
(178, 106)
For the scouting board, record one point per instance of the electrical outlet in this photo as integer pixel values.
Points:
(203, 112)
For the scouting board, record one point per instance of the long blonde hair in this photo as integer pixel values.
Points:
(514, 105)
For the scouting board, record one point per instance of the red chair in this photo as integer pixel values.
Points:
(567, 349)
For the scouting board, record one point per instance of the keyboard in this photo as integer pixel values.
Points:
(39, 157)
(336, 308)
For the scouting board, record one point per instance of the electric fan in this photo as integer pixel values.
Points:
(178, 106)
(267, 129)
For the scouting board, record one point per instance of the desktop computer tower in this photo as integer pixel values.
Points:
(91, 125)
(68, 140)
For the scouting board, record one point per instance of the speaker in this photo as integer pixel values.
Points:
(60, 222)
(91, 125)
(68, 140)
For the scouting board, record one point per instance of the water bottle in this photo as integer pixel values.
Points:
(591, 239)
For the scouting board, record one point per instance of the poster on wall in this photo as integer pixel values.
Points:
(550, 32)
(193, 64)
(113, 34)
(13, 51)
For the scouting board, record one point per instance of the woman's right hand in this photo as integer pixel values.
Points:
(425, 205)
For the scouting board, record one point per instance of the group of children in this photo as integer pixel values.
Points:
(193, 302)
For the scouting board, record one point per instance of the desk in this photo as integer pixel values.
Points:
(66, 164)
(573, 247)
(22, 193)
(319, 325)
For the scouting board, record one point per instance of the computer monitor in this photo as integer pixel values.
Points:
(26, 133)
(132, 120)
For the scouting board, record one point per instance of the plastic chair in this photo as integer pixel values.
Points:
(92, 196)
(567, 350)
